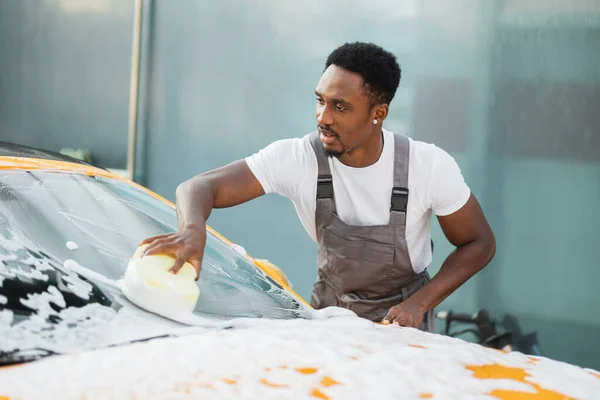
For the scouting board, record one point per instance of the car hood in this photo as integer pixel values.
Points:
(340, 357)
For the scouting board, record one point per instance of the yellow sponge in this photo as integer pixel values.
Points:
(149, 284)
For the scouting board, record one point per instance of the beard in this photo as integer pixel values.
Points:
(334, 153)
(329, 152)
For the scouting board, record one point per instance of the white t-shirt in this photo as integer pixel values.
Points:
(288, 167)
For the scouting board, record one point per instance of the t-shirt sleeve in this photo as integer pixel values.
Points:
(280, 166)
(448, 190)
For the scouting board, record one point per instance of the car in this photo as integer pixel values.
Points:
(68, 335)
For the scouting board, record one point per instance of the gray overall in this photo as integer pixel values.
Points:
(366, 269)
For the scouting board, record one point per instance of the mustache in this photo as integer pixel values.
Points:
(326, 129)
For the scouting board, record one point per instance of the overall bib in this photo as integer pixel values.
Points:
(366, 269)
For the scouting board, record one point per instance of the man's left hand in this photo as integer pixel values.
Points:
(404, 314)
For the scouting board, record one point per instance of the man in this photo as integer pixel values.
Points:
(363, 193)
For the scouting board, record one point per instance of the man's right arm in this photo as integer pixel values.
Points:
(223, 187)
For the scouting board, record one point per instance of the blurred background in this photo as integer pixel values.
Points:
(163, 90)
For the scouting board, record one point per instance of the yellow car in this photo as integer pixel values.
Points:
(64, 335)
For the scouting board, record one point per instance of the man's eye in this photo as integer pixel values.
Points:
(339, 108)
(320, 101)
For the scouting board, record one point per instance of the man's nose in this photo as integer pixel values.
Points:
(324, 116)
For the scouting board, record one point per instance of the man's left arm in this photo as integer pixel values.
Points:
(469, 231)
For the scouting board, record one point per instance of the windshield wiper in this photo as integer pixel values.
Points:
(23, 355)
(143, 339)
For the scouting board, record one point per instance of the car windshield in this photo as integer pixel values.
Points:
(50, 219)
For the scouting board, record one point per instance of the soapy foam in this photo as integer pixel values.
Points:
(171, 307)
(91, 326)
(6, 318)
(342, 358)
(78, 287)
(42, 304)
(41, 301)
(72, 245)
(74, 266)
(326, 313)
(239, 249)
(74, 327)
(26, 265)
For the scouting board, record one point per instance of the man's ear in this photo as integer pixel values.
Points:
(381, 111)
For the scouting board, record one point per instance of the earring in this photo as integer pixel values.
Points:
(374, 122)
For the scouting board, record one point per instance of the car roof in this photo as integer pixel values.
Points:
(17, 150)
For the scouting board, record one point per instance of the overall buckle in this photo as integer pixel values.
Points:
(324, 187)
(399, 199)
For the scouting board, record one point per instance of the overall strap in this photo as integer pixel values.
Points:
(399, 201)
(325, 199)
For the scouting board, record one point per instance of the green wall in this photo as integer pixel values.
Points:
(510, 88)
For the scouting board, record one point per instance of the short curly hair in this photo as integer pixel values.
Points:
(378, 68)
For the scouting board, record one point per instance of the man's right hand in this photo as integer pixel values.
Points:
(223, 187)
(185, 245)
